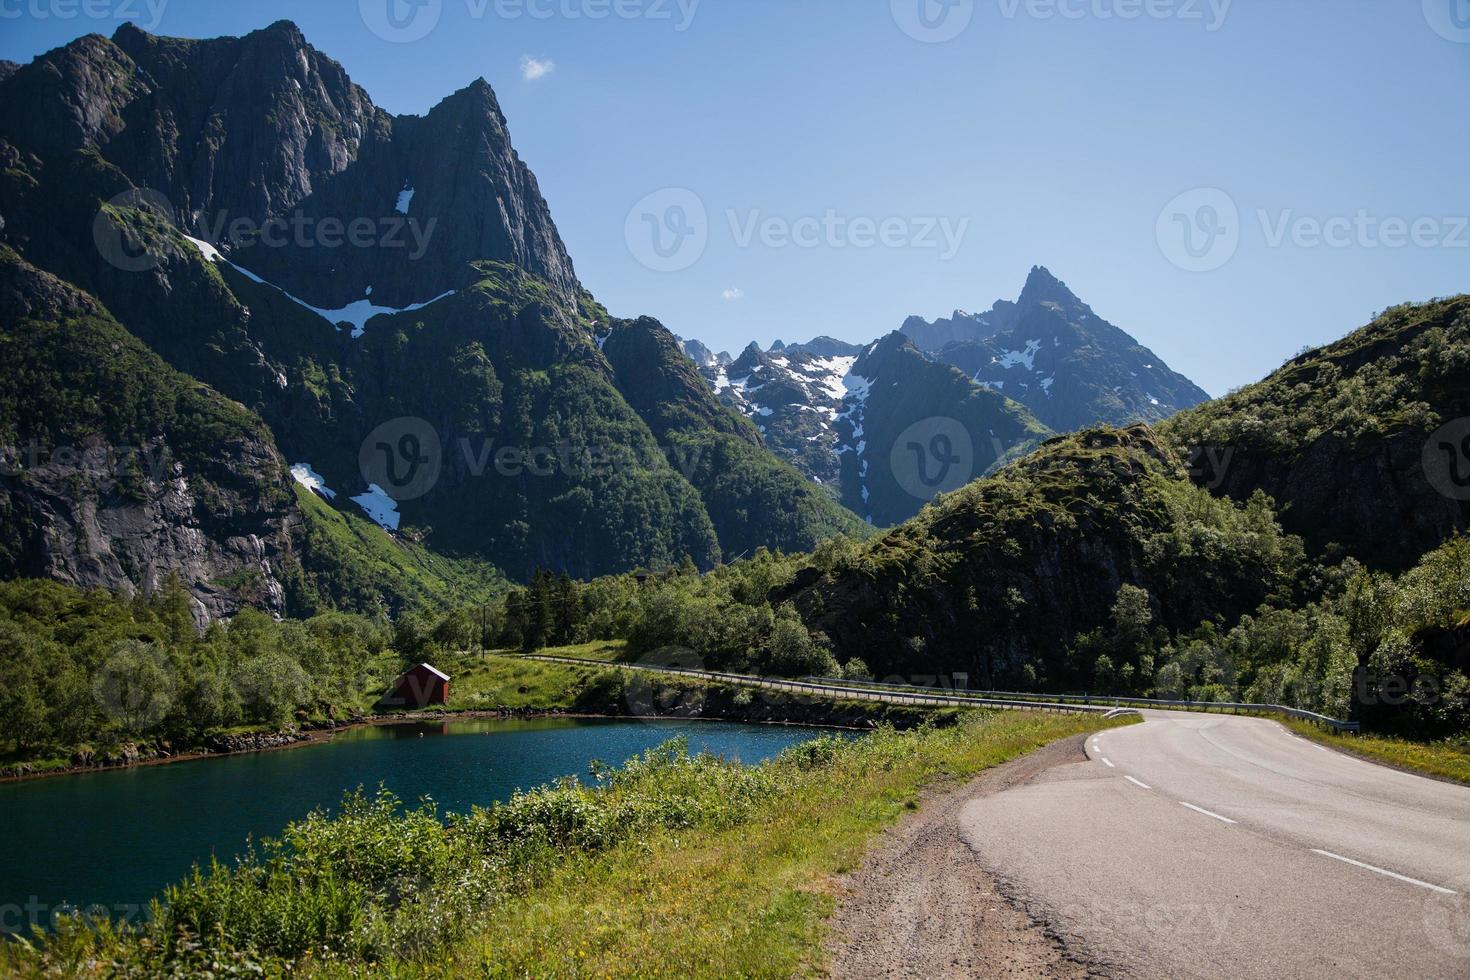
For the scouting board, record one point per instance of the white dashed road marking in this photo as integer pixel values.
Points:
(1390, 874)
(1200, 809)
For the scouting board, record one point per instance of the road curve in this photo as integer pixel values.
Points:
(1198, 845)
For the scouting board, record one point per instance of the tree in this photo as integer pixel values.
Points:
(135, 686)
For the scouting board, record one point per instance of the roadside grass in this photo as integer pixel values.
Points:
(744, 901)
(671, 866)
(495, 682)
(1442, 760)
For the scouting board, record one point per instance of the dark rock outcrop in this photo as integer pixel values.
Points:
(117, 471)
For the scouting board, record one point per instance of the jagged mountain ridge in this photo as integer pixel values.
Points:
(846, 415)
(485, 336)
(1052, 353)
(1053, 359)
(265, 128)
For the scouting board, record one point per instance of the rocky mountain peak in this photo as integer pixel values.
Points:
(1043, 287)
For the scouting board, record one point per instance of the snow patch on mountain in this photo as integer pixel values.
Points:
(357, 314)
(312, 480)
(1011, 358)
(382, 508)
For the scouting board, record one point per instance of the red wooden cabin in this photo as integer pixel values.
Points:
(420, 687)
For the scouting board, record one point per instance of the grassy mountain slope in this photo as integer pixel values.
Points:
(1348, 438)
(999, 578)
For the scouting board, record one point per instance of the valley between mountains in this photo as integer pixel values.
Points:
(301, 399)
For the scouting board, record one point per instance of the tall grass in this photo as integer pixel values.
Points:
(674, 864)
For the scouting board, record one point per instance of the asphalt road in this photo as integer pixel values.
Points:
(1215, 846)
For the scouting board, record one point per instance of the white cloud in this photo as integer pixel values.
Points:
(534, 68)
(733, 295)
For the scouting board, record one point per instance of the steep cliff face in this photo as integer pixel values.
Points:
(119, 471)
(263, 146)
(206, 192)
(1364, 442)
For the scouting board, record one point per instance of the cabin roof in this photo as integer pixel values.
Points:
(435, 671)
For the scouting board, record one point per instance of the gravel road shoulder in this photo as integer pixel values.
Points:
(922, 906)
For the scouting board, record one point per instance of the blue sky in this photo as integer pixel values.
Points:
(1312, 151)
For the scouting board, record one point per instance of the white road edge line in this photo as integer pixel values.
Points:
(1390, 874)
(1109, 763)
(1137, 783)
(1200, 809)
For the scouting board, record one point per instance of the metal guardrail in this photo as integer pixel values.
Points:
(843, 689)
(1089, 699)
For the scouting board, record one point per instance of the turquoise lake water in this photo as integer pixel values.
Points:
(116, 838)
